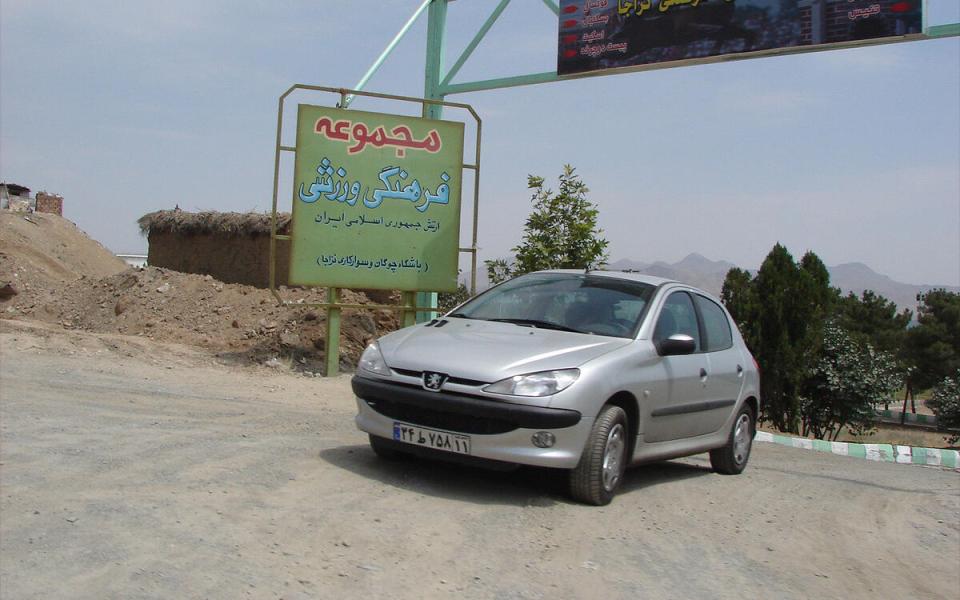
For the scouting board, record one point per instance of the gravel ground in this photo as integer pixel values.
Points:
(135, 469)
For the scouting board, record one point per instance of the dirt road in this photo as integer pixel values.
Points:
(131, 469)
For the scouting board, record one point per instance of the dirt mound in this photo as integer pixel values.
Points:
(61, 276)
(239, 322)
(40, 252)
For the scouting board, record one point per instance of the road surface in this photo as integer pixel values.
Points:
(133, 469)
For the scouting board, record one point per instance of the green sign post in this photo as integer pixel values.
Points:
(376, 201)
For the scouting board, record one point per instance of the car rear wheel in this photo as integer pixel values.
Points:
(600, 471)
(732, 458)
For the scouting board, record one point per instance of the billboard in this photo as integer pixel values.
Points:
(609, 34)
(376, 201)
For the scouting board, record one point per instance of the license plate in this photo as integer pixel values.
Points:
(431, 438)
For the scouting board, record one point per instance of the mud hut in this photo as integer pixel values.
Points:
(232, 247)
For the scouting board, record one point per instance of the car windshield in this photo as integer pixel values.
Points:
(565, 301)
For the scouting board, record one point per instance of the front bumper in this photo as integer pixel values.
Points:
(498, 430)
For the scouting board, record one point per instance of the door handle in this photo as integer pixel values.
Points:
(739, 371)
(703, 372)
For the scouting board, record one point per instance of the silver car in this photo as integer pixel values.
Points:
(584, 371)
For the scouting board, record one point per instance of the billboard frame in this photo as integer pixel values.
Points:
(439, 84)
(438, 81)
(410, 307)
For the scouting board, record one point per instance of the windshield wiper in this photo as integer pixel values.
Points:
(537, 324)
(459, 315)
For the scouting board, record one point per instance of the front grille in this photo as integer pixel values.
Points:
(456, 380)
(438, 419)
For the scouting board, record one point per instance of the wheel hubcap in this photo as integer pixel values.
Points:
(742, 439)
(613, 457)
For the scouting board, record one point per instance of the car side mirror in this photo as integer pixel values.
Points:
(678, 343)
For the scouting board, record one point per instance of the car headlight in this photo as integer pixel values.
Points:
(372, 360)
(544, 383)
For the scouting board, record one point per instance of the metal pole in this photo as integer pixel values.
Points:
(436, 32)
(476, 212)
(409, 300)
(332, 346)
(433, 75)
(276, 184)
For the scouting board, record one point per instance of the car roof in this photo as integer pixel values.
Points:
(630, 275)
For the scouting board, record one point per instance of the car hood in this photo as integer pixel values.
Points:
(489, 351)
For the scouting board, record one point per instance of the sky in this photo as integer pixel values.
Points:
(125, 108)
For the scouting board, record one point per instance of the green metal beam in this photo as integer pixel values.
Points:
(386, 51)
(436, 38)
(941, 31)
(552, 6)
(475, 41)
(502, 82)
(436, 41)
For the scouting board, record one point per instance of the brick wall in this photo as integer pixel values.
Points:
(49, 203)
(230, 258)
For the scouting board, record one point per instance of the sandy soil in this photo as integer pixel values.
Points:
(131, 468)
(39, 252)
(63, 277)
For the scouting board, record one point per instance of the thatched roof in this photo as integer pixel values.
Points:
(220, 223)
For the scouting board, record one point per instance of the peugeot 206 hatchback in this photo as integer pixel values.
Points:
(584, 371)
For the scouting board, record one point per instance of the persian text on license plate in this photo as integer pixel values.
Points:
(431, 438)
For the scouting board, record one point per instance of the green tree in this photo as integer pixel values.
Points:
(871, 318)
(813, 303)
(498, 270)
(772, 345)
(933, 346)
(845, 385)
(783, 314)
(560, 233)
(945, 403)
(737, 296)
(789, 303)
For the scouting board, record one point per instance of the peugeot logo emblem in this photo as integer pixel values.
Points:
(433, 381)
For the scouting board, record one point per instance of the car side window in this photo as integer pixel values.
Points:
(677, 316)
(715, 324)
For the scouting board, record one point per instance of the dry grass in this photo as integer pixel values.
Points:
(895, 434)
(885, 433)
(210, 222)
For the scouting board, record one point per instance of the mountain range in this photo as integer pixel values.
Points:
(707, 274)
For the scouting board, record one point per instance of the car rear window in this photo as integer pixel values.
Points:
(715, 324)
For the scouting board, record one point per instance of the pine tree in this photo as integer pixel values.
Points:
(737, 296)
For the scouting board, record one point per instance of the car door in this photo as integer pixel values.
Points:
(676, 383)
(725, 364)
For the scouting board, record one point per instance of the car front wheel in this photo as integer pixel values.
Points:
(732, 458)
(598, 474)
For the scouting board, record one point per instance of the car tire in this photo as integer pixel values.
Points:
(383, 449)
(599, 473)
(732, 458)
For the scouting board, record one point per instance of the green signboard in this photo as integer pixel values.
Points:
(376, 201)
